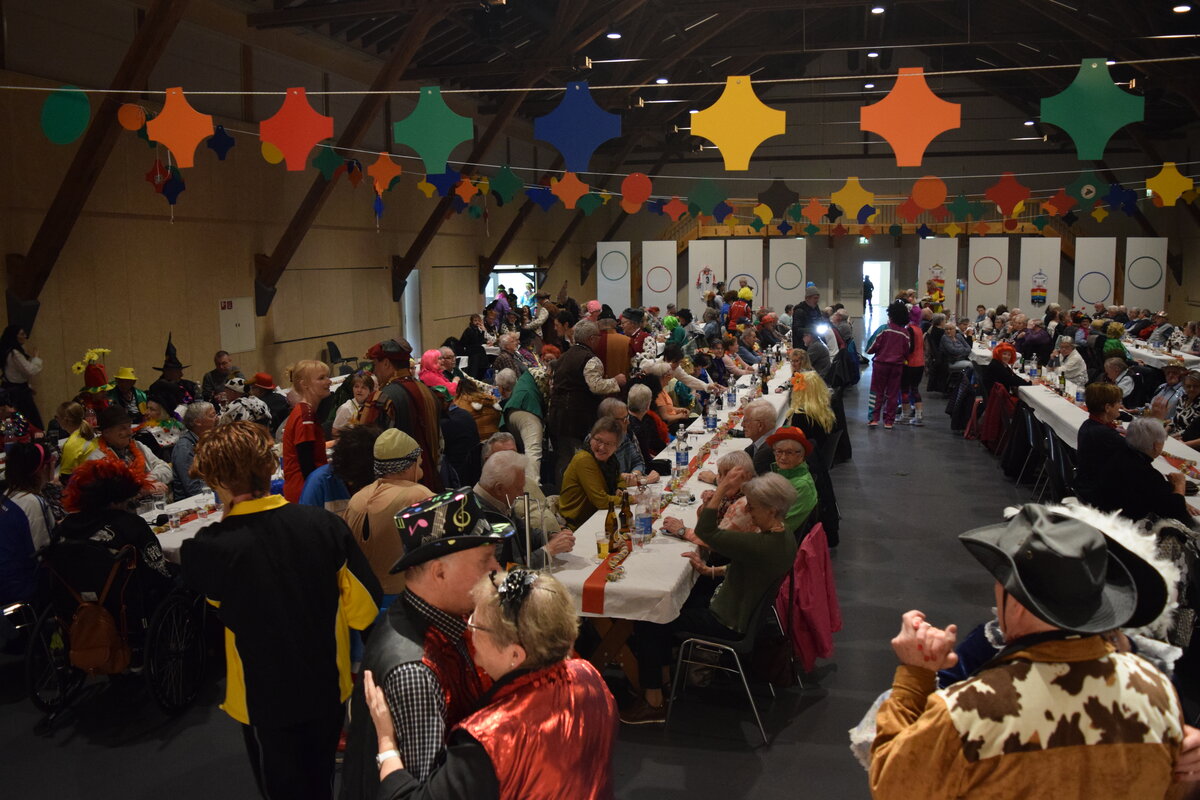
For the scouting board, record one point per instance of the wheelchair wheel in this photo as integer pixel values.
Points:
(175, 651)
(49, 676)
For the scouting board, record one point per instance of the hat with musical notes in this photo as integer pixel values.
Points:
(444, 524)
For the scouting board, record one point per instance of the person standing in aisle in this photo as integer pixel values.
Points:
(890, 349)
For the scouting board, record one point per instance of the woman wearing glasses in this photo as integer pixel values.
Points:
(792, 448)
(546, 728)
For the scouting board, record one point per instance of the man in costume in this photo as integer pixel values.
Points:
(405, 403)
(172, 389)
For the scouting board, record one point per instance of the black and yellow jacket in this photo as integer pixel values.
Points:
(289, 582)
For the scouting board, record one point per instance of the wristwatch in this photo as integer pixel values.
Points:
(385, 755)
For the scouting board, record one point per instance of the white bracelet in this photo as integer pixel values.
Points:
(386, 755)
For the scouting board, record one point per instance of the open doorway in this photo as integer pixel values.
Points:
(880, 275)
(523, 280)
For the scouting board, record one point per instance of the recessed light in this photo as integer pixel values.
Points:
(661, 81)
(1028, 123)
(613, 35)
(868, 86)
(693, 111)
(876, 9)
(1110, 62)
(872, 54)
(1182, 8)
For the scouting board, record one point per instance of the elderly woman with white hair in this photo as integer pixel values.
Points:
(646, 428)
(1132, 485)
(523, 404)
(757, 561)
(500, 485)
(1067, 359)
(508, 357)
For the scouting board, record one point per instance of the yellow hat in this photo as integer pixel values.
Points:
(125, 374)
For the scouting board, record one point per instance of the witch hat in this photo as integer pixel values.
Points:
(170, 360)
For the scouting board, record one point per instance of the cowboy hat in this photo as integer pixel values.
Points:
(263, 380)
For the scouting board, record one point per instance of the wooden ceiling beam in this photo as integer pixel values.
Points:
(488, 263)
(28, 273)
(269, 268)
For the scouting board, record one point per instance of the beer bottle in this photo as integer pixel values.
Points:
(611, 528)
(626, 516)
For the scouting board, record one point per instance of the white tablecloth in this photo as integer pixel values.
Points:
(1155, 357)
(657, 578)
(981, 354)
(171, 541)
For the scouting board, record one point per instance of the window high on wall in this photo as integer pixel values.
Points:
(516, 278)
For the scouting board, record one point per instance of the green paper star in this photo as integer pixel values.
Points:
(758, 224)
(327, 161)
(1092, 109)
(811, 230)
(1041, 221)
(505, 185)
(960, 208)
(474, 211)
(694, 209)
(706, 194)
(795, 212)
(1086, 189)
(589, 203)
(433, 130)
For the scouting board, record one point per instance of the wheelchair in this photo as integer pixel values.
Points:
(165, 638)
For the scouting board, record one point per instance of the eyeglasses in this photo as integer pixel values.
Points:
(471, 624)
(786, 451)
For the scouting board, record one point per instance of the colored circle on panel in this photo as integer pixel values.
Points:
(789, 276)
(614, 265)
(733, 285)
(659, 279)
(1093, 287)
(987, 271)
(1144, 272)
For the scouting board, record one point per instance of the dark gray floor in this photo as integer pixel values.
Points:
(904, 497)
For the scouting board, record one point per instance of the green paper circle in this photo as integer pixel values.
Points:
(65, 115)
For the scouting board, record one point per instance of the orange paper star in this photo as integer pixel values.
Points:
(179, 127)
(910, 117)
(466, 190)
(383, 171)
(568, 189)
(814, 211)
(675, 209)
(295, 129)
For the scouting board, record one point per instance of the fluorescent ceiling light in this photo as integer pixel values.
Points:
(872, 54)
(661, 81)
(1028, 123)
(877, 9)
(693, 111)
(868, 86)
(1182, 8)
(613, 35)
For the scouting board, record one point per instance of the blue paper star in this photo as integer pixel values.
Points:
(458, 205)
(721, 210)
(542, 196)
(1119, 197)
(172, 188)
(656, 206)
(377, 207)
(784, 227)
(864, 214)
(220, 142)
(444, 182)
(924, 231)
(577, 127)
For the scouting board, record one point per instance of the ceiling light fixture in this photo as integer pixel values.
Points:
(877, 9)
(868, 86)
(613, 35)
(1182, 8)
(661, 81)
(1110, 62)
(693, 111)
(872, 54)
(1028, 123)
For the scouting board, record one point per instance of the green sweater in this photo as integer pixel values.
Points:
(584, 490)
(806, 494)
(756, 561)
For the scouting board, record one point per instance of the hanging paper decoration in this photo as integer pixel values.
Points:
(1086, 189)
(674, 209)
(784, 227)
(384, 170)
(962, 208)
(1070, 218)
(940, 214)
(1092, 109)
(832, 212)
(1007, 193)
(694, 210)
(605, 196)
(145, 136)
(157, 176)
(505, 185)
(328, 162)
(814, 211)
(444, 181)
(952, 230)
(852, 198)
(270, 153)
(484, 185)
(925, 232)
(541, 195)
(838, 231)
(1119, 197)
(577, 127)
(721, 211)
(220, 143)
(706, 194)
(656, 207)
(1010, 224)
(895, 230)
(1041, 221)
(811, 229)
(174, 186)
(377, 207)
(433, 130)
(908, 210)
(982, 229)
(354, 171)
(65, 114)
(1059, 204)
(738, 122)
(866, 231)
(475, 212)
(929, 192)
(778, 197)
(589, 203)
(1099, 213)
(296, 128)
(635, 190)
(466, 189)
(763, 211)
(569, 189)
(757, 224)
(179, 127)
(426, 188)
(1169, 183)
(131, 116)
(795, 212)
(910, 117)
(457, 205)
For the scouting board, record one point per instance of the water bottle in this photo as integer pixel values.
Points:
(682, 455)
(731, 396)
(710, 415)
(1033, 367)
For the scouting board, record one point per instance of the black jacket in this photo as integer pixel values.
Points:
(1097, 446)
(1130, 484)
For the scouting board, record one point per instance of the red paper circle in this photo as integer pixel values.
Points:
(650, 283)
(131, 116)
(929, 192)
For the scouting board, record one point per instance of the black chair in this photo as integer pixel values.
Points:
(738, 648)
(1036, 440)
(1060, 470)
(345, 366)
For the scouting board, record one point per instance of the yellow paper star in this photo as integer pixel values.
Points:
(1018, 209)
(1099, 213)
(764, 212)
(1169, 183)
(852, 197)
(426, 188)
(605, 197)
(952, 230)
(738, 122)
(483, 185)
